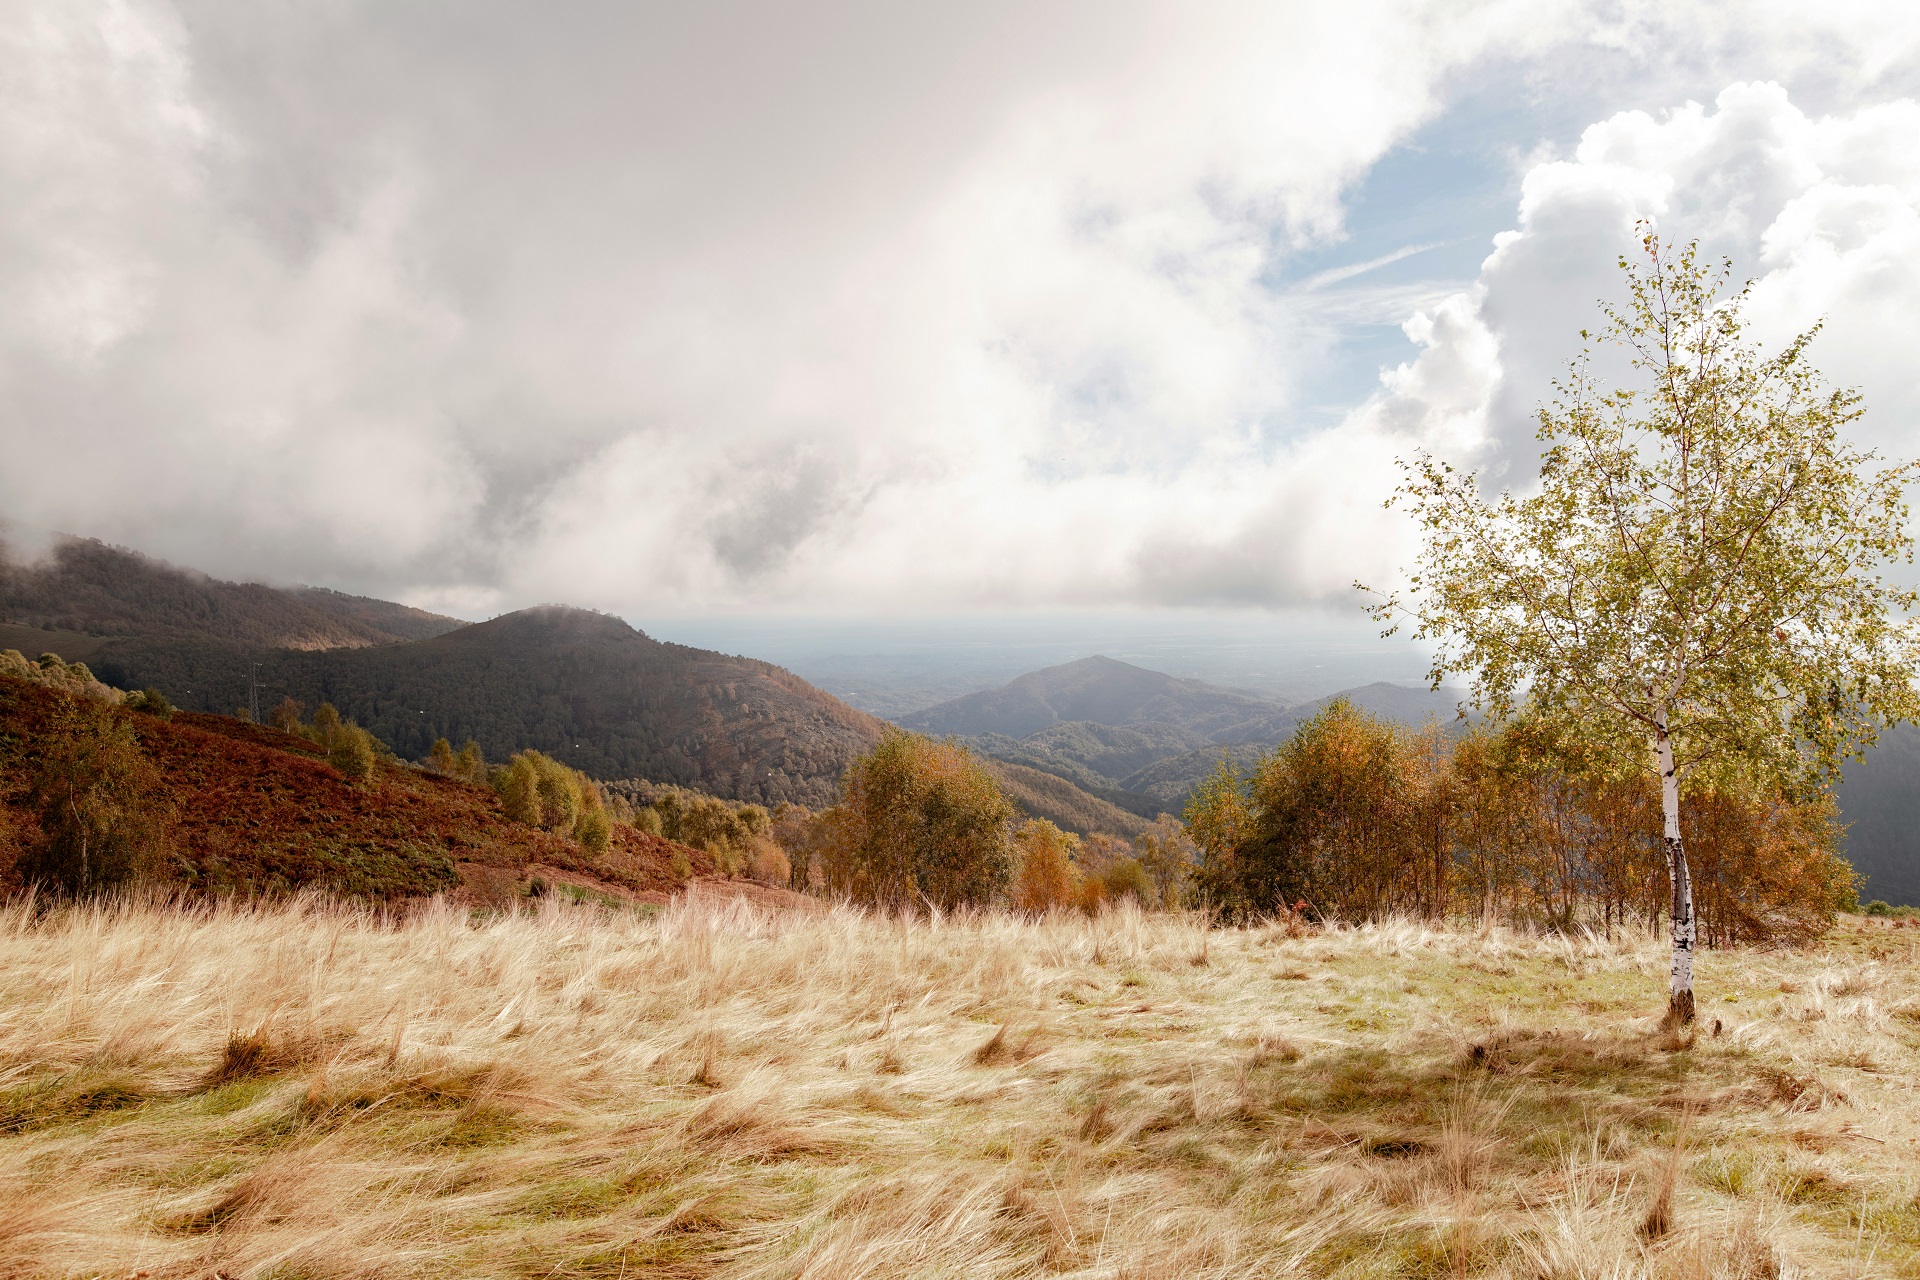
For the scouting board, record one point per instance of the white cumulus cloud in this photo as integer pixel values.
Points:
(862, 308)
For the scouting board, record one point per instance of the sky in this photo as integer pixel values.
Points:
(730, 312)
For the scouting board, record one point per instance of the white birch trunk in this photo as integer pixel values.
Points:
(1680, 984)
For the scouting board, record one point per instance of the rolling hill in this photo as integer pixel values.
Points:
(91, 588)
(583, 687)
(1139, 739)
(254, 810)
(1102, 690)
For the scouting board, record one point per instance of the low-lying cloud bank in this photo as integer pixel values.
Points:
(872, 311)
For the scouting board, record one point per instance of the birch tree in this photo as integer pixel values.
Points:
(1696, 583)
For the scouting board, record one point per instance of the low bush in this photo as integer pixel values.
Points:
(152, 702)
(350, 749)
(1045, 879)
(1127, 879)
(925, 825)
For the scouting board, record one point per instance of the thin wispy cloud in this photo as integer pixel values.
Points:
(1338, 275)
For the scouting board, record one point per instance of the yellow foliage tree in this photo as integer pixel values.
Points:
(1045, 879)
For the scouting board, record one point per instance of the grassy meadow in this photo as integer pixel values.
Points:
(715, 1089)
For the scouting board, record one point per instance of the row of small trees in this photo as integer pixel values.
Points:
(541, 792)
(922, 823)
(740, 837)
(1353, 817)
(1359, 818)
(350, 749)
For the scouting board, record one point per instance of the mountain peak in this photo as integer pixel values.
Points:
(1099, 690)
(84, 585)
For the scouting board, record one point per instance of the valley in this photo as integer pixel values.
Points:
(1095, 744)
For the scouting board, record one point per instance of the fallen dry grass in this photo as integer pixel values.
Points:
(719, 1090)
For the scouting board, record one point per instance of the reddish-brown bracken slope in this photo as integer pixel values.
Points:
(255, 810)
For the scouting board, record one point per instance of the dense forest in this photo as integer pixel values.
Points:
(584, 688)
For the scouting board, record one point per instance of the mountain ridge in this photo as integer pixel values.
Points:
(584, 687)
(87, 586)
(1099, 690)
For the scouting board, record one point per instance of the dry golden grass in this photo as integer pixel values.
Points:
(713, 1090)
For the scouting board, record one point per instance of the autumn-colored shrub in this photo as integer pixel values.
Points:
(1044, 880)
(326, 718)
(593, 829)
(729, 831)
(1167, 853)
(1090, 895)
(1127, 879)
(11, 839)
(51, 672)
(767, 862)
(929, 826)
(832, 853)
(466, 765)
(103, 815)
(541, 792)
(152, 702)
(1359, 818)
(350, 749)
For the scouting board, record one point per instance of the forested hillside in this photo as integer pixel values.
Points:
(86, 586)
(582, 687)
(1070, 807)
(1142, 740)
(203, 804)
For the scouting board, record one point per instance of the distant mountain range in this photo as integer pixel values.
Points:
(1142, 739)
(583, 687)
(1095, 745)
(1104, 691)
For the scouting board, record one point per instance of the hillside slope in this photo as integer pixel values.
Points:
(87, 586)
(1141, 740)
(583, 687)
(254, 810)
(1071, 808)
